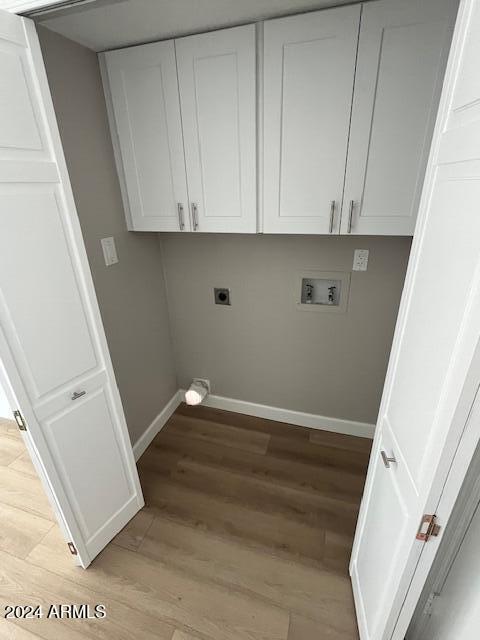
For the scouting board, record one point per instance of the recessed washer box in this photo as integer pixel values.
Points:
(322, 290)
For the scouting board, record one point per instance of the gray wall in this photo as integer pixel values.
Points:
(262, 349)
(131, 294)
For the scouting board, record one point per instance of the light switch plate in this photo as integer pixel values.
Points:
(109, 251)
(360, 260)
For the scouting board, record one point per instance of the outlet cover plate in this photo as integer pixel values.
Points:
(360, 260)
(109, 251)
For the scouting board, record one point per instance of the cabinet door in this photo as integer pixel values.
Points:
(144, 106)
(402, 54)
(217, 80)
(309, 69)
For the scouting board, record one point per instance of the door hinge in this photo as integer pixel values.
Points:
(20, 421)
(72, 548)
(428, 527)
(428, 608)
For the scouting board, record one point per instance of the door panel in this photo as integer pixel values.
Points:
(144, 93)
(23, 138)
(24, 133)
(401, 58)
(386, 498)
(52, 342)
(309, 69)
(453, 192)
(435, 340)
(91, 496)
(45, 297)
(217, 108)
(216, 75)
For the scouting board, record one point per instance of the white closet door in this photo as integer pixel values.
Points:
(427, 395)
(142, 91)
(402, 53)
(52, 344)
(309, 69)
(217, 77)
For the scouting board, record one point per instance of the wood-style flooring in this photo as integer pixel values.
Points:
(246, 535)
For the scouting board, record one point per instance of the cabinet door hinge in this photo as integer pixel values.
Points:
(72, 548)
(20, 421)
(428, 527)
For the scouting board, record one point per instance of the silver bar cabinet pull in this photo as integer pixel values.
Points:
(77, 394)
(181, 221)
(350, 216)
(195, 216)
(387, 460)
(332, 216)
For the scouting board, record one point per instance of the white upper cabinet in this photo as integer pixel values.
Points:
(402, 53)
(348, 105)
(147, 132)
(217, 80)
(309, 70)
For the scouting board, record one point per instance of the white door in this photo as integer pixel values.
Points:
(144, 109)
(217, 80)
(402, 53)
(435, 340)
(309, 69)
(52, 344)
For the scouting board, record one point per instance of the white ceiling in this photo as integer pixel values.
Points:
(109, 24)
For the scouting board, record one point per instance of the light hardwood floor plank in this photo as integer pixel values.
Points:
(172, 596)
(10, 450)
(25, 583)
(309, 591)
(308, 477)
(23, 464)
(24, 492)
(131, 536)
(250, 525)
(302, 628)
(11, 631)
(9, 429)
(181, 635)
(21, 530)
(306, 507)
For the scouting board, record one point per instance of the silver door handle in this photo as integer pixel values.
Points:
(181, 221)
(350, 216)
(332, 216)
(386, 460)
(77, 394)
(195, 215)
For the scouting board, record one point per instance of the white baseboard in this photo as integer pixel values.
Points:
(151, 431)
(309, 420)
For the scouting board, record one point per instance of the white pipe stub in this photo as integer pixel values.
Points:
(197, 392)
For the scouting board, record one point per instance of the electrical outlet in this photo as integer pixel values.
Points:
(222, 296)
(109, 251)
(360, 260)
